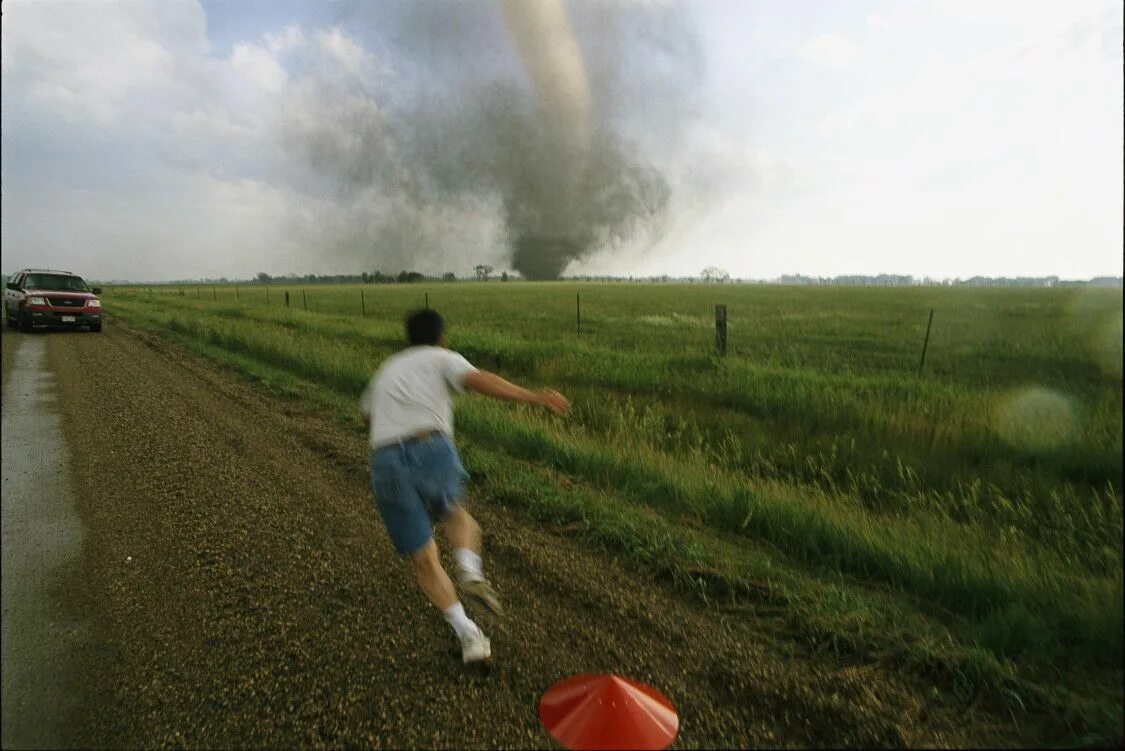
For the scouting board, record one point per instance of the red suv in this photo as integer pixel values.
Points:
(38, 297)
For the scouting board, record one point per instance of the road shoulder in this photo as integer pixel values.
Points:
(43, 633)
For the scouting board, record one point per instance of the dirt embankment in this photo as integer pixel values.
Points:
(245, 595)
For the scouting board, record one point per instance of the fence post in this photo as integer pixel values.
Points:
(577, 313)
(720, 330)
(236, 293)
(287, 298)
(362, 304)
(267, 294)
(427, 301)
(926, 341)
(215, 294)
(198, 294)
(304, 300)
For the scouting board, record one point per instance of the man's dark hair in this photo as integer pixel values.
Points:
(424, 327)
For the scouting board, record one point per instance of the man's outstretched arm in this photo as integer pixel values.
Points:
(490, 384)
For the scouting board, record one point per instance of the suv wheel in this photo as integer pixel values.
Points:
(96, 328)
(25, 323)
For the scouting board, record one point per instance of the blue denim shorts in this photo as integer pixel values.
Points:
(412, 481)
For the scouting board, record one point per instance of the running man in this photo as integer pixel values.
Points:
(416, 473)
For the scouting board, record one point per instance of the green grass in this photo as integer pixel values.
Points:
(973, 512)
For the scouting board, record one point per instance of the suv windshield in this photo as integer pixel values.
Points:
(55, 282)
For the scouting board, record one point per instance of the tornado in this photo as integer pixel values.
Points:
(567, 190)
(445, 155)
(544, 40)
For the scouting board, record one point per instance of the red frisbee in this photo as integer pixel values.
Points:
(591, 711)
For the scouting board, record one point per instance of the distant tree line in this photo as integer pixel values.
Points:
(714, 274)
(711, 274)
(365, 277)
(897, 280)
(369, 277)
(888, 280)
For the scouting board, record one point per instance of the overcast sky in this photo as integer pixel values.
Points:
(946, 138)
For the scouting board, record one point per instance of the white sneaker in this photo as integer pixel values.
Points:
(475, 646)
(482, 593)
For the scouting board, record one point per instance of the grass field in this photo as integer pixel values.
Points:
(965, 521)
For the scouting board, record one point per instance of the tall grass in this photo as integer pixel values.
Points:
(894, 443)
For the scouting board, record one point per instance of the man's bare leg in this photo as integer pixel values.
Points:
(432, 579)
(463, 534)
(461, 530)
(437, 587)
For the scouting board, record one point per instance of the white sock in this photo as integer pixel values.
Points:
(455, 617)
(472, 568)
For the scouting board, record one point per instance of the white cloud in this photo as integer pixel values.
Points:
(967, 139)
(169, 143)
(78, 73)
(344, 52)
(291, 37)
(259, 66)
(830, 50)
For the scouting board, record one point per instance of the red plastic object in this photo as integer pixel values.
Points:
(590, 711)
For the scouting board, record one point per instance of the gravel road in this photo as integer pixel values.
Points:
(244, 595)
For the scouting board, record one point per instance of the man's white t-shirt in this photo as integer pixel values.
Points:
(412, 393)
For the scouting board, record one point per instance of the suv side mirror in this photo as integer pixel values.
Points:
(13, 285)
(96, 290)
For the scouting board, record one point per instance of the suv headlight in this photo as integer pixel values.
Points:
(95, 303)
(36, 301)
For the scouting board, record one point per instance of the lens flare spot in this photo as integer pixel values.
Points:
(1035, 418)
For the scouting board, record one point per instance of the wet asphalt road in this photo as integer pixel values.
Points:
(42, 540)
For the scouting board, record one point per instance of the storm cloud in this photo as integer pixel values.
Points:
(505, 131)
